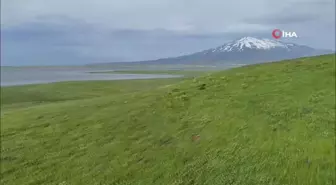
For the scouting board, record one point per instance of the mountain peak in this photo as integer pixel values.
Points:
(254, 43)
(247, 50)
(248, 38)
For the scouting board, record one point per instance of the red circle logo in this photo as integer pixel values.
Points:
(277, 34)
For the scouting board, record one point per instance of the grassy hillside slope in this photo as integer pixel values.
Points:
(28, 95)
(263, 124)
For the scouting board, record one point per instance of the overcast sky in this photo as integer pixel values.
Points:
(60, 32)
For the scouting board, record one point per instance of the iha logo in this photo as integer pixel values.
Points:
(277, 34)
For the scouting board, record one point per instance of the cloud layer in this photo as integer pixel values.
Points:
(80, 31)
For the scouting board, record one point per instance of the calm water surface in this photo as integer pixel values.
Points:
(22, 76)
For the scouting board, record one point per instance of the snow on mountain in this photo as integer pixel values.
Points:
(250, 43)
(246, 50)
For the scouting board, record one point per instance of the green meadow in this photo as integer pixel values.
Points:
(264, 124)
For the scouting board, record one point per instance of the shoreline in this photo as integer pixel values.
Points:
(86, 80)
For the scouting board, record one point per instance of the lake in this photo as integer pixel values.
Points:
(11, 76)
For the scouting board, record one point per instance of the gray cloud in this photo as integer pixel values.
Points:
(196, 16)
(121, 30)
(283, 20)
(299, 12)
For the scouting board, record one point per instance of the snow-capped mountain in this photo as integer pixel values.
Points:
(247, 50)
(251, 43)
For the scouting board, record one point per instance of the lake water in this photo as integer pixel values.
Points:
(21, 76)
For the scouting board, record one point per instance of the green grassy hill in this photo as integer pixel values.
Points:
(267, 124)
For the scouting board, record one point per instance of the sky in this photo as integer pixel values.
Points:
(76, 32)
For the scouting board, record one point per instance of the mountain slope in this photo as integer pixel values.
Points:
(255, 125)
(246, 50)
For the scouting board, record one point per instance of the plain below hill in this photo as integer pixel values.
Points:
(262, 124)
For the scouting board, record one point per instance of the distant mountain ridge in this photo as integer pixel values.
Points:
(246, 50)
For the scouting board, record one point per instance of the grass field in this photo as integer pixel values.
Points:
(27, 95)
(267, 124)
